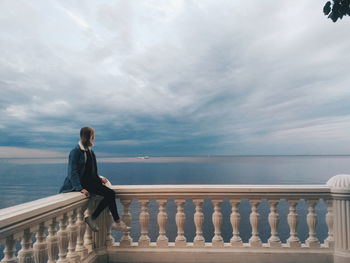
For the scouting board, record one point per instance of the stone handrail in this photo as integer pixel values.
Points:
(61, 234)
(227, 191)
(30, 212)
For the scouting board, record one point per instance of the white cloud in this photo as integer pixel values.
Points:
(16, 111)
(19, 152)
(122, 142)
(78, 20)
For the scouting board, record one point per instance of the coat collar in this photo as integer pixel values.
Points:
(81, 146)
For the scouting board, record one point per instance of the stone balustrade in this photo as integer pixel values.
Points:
(52, 229)
(49, 230)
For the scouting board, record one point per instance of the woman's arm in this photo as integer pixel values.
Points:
(103, 179)
(73, 170)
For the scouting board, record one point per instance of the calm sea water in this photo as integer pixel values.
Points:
(26, 180)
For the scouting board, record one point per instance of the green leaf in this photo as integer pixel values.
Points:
(327, 8)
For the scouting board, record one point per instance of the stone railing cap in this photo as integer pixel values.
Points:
(340, 182)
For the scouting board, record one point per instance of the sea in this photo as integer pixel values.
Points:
(24, 180)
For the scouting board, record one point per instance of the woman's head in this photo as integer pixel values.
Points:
(87, 136)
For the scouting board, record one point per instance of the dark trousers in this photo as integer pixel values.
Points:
(108, 200)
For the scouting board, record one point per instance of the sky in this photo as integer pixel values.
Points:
(173, 78)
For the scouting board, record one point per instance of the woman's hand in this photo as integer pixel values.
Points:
(85, 192)
(104, 180)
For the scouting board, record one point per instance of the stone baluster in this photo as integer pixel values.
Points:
(40, 246)
(126, 239)
(274, 240)
(235, 220)
(109, 238)
(9, 250)
(144, 240)
(254, 219)
(81, 227)
(99, 238)
(329, 242)
(217, 240)
(26, 254)
(180, 219)
(52, 242)
(162, 218)
(72, 228)
(88, 238)
(293, 240)
(63, 239)
(311, 220)
(199, 240)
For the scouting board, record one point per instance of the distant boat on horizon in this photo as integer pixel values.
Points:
(143, 157)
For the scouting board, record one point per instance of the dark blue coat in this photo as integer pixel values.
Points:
(76, 166)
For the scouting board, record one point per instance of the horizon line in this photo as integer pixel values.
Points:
(190, 156)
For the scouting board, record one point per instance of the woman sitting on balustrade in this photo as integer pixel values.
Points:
(82, 176)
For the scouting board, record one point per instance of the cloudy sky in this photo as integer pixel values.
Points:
(173, 78)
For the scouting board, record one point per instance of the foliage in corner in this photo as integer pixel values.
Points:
(337, 9)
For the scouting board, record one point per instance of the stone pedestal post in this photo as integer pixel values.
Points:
(340, 190)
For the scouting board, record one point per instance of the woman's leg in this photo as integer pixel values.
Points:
(108, 200)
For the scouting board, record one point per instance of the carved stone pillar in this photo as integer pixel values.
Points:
(26, 254)
(162, 218)
(81, 227)
(199, 240)
(72, 228)
(109, 238)
(293, 240)
(88, 237)
(311, 219)
(329, 242)
(9, 250)
(254, 219)
(217, 240)
(126, 238)
(144, 239)
(63, 239)
(40, 246)
(340, 191)
(52, 242)
(235, 220)
(180, 219)
(274, 240)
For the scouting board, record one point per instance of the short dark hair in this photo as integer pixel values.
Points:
(87, 135)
